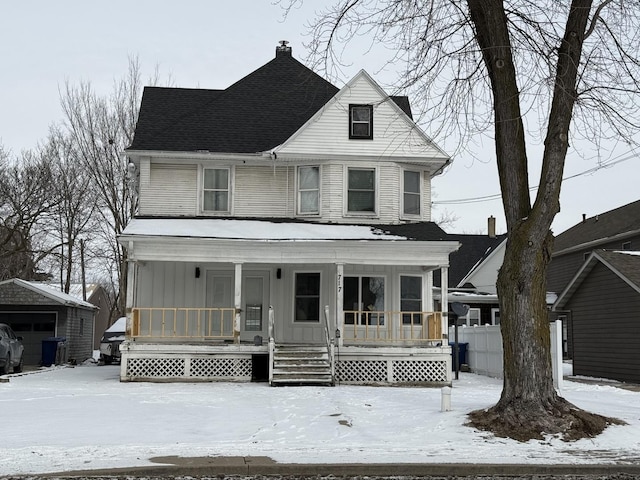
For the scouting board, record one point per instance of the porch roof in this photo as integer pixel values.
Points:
(288, 241)
(279, 229)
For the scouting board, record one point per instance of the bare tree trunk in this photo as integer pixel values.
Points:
(529, 404)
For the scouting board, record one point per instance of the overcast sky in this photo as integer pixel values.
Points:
(212, 44)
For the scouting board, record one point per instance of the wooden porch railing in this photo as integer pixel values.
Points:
(183, 323)
(364, 326)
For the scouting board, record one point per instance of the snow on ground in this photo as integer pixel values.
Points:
(63, 418)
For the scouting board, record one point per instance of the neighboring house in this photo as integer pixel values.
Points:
(603, 302)
(617, 229)
(284, 232)
(37, 312)
(473, 272)
(97, 295)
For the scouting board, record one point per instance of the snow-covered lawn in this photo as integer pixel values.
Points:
(61, 419)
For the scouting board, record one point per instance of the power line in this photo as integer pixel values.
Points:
(496, 196)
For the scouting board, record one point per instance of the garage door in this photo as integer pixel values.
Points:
(33, 327)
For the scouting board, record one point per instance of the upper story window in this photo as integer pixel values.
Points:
(361, 190)
(361, 121)
(216, 190)
(308, 190)
(411, 198)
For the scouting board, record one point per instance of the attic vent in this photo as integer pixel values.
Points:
(283, 48)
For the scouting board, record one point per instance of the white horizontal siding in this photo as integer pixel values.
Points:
(392, 135)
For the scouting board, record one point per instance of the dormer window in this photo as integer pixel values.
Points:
(216, 190)
(361, 122)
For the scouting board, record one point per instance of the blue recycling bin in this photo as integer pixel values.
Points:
(462, 353)
(50, 350)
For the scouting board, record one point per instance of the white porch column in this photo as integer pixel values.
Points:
(444, 295)
(427, 291)
(237, 301)
(340, 301)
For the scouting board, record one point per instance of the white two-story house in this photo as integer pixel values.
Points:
(284, 233)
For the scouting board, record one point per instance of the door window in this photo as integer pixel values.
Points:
(253, 303)
(307, 297)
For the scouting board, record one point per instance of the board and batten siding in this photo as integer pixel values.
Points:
(393, 136)
(605, 313)
(170, 190)
(170, 284)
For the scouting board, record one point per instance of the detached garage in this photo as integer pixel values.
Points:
(602, 302)
(37, 312)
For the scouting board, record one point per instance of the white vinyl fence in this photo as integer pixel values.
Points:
(484, 350)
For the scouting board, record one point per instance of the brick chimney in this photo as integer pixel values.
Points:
(283, 49)
(491, 226)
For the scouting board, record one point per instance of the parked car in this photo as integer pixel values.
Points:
(11, 351)
(111, 340)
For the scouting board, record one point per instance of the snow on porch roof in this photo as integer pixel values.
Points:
(272, 230)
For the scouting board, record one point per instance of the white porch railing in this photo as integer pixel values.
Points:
(183, 323)
(388, 327)
(330, 344)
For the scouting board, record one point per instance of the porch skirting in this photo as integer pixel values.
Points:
(362, 365)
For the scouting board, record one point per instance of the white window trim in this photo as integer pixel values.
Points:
(468, 316)
(493, 315)
(297, 180)
(376, 197)
(214, 213)
(420, 193)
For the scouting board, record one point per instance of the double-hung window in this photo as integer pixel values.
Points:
(361, 122)
(361, 190)
(411, 198)
(308, 190)
(215, 190)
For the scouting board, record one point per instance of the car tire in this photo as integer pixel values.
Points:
(108, 359)
(7, 366)
(18, 368)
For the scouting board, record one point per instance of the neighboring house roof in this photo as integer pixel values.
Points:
(279, 229)
(474, 249)
(624, 263)
(75, 289)
(255, 114)
(51, 293)
(604, 227)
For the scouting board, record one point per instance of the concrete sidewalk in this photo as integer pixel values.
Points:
(258, 466)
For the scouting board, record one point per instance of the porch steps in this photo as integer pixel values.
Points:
(301, 365)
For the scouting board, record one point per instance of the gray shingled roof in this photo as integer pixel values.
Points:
(473, 248)
(625, 264)
(601, 227)
(255, 114)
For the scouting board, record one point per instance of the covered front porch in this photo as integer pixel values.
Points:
(214, 309)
